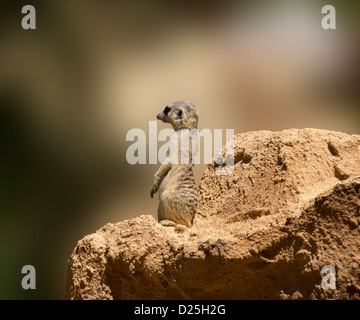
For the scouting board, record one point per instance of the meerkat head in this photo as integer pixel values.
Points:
(181, 115)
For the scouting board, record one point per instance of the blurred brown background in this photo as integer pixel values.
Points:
(92, 70)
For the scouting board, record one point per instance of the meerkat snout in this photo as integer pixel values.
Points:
(175, 179)
(162, 115)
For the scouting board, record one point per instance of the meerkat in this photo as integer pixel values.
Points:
(175, 178)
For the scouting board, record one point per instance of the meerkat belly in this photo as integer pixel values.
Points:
(179, 183)
(178, 197)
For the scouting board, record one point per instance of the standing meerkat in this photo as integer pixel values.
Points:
(175, 178)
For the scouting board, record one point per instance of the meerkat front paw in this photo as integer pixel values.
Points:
(154, 190)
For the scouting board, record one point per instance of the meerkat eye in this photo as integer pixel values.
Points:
(166, 110)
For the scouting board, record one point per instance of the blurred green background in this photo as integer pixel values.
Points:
(92, 70)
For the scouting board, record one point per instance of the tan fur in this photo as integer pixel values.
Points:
(175, 178)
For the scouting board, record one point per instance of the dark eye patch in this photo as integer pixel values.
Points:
(179, 113)
(166, 110)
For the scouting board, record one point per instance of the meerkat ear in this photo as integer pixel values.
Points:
(178, 113)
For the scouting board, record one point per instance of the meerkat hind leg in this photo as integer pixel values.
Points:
(167, 223)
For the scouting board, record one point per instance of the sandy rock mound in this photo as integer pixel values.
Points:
(290, 207)
(277, 172)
